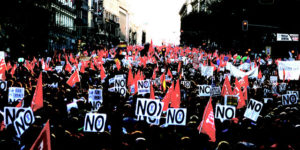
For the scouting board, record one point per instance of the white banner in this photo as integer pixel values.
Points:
(224, 112)
(253, 109)
(291, 68)
(176, 116)
(15, 94)
(94, 122)
(234, 71)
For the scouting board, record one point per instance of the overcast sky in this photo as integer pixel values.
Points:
(161, 18)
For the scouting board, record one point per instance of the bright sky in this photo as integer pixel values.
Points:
(160, 19)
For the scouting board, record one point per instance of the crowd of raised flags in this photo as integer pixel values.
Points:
(156, 88)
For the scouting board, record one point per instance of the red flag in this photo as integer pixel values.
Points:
(226, 89)
(154, 73)
(170, 74)
(12, 71)
(102, 72)
(8, 66)
(130, 78)
(74, 78)
(2, 69)
(175, 101)
(259, 75)
(152, 96)
(207, 125)
(238, 91)
(167, 97)
(68, 67)
(179, 67)
(43, 141)
(37, 100)
(20, 104)
(82, 68)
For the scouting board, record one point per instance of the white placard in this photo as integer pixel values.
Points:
(95, 98)
(225, 112)
(207, 71)
(148, 107)
(204, 90)
(176, 116)
(94, 122)
(143, 86)
(15, 94)
(24, 120)
(253, 109)
(215, 91)
(291, 68)
(289, 99)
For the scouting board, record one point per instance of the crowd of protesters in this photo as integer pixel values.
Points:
(277, 127)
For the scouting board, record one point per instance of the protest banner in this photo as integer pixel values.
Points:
(291, 69)
(15, 94)
(143, 86)
(94, 122)
(225, 112)
(253, 109)
(176, 116)
(24, 120)
(204, 90)
(293, 92)
(234, 71)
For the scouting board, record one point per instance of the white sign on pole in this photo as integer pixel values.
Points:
(143, 86)
(94, 122)
(176, 116)
(95, 98)
(15, 94)
(148, 107)
(204, 90)
(253, 109)
(289, 99)
(59, 69)
(287, 37)
(224, 112)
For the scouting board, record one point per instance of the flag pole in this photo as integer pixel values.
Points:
(205, 111)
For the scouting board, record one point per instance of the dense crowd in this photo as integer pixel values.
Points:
(277, 127)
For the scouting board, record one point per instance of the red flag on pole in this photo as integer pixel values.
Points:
(152, 95)
(74, 78)
(283, 75)
(2, 69)
(37, 100)
(68, 67)
(226, 89)
(102, 72)
(43, 141)
(238, 91)
(167, 97)
(207, 125)
(130, 78)
(259, 75)
(175, 101)
(12, 71)
(170, 74)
